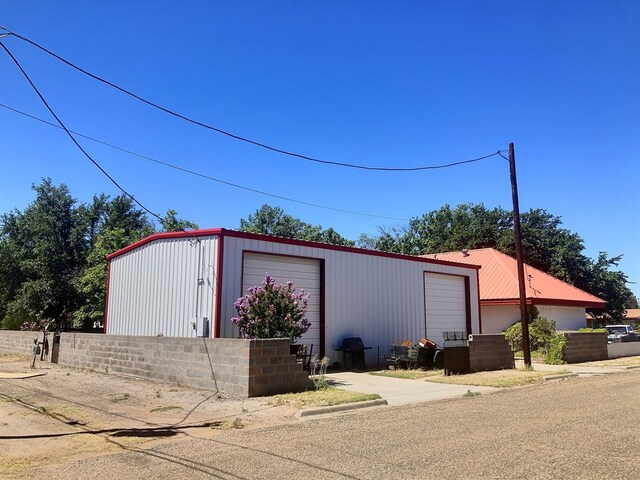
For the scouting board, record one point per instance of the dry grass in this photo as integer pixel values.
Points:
(617, 362)
(165, 408)
(497, 378)
(322, 398)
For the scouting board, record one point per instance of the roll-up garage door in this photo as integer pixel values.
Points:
(445, 304)
(303, 272)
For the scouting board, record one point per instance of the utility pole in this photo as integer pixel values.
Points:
(518, 238)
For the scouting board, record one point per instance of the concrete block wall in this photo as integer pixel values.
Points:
(627, 349)
(490, 352)
(585, 347)
(17, 342)
(248, 368)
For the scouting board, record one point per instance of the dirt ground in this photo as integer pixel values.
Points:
(42, 418)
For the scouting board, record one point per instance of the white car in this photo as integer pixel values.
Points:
(621, 333)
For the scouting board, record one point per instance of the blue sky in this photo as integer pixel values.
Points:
(386, 83)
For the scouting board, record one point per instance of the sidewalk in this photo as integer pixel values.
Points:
(399, 391)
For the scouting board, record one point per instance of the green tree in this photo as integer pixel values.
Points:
(171, 223)
(109, 225)
(41, 256)
(610, 285)
(546, 246)
(274, 221)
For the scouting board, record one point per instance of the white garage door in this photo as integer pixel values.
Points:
(303, 272)
(445, 305)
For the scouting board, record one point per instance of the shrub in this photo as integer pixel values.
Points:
(541, 331)
(272, 311)
(556, 355)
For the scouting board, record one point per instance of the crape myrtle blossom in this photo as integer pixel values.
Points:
(272, 311)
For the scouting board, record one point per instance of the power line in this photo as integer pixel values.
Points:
(238, 137)
(62, 125)
(198, 174)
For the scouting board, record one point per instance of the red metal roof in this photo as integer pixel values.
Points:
(499, 281)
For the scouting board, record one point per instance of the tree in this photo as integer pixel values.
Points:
(171, 223)
(610, 286)
(274, 221)
(53, 254)
(109, 225)
(547, 246)
(42, 254)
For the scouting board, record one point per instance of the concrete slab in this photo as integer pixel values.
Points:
(399, 391)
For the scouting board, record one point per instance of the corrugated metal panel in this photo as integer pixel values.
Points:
(303, 272)
(377, 298)
(162, 287)
(445, 304)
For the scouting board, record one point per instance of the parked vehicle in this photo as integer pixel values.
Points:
(621, 333)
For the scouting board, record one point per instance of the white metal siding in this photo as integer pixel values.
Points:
(303, 272)
(445, 304)
(497, 318)
(155, 289)
(366, 295)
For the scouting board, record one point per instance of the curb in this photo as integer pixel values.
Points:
(307, 412)
(549, 378)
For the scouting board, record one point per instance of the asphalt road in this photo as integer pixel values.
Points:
(575, 428)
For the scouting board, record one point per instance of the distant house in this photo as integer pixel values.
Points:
(500, 297)
(632, 316)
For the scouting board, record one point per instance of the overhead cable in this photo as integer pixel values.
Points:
(238, 137)
(201, 175)
(62, 125)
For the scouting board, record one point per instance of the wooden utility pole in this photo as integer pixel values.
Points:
(518, 238)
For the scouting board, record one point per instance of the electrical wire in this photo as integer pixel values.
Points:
(62, 125)
(198, 174)
(235, 136)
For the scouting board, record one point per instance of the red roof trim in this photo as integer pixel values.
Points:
(165, 236)
(288, 241)
(544, 301)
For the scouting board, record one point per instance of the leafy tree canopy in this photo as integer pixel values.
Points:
(53, 254)
(274, 221)
(546, 245)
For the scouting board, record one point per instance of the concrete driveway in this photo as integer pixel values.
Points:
(399, 391)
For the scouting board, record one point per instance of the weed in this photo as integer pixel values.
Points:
(237, 423)
(158, 394)
(119, 398)
(165, 409)
(557, 354)
(320, 383)
(471, 394)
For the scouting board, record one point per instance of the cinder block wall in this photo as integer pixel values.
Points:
(490, 352)
(18, 342)
(585, 347)
(249, 368)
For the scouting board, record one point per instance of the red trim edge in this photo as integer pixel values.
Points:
(218, 306)
(544, 301)
(288, 241)
(106, 299)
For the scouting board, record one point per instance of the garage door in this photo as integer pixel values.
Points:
(303, 272)
(445, 305)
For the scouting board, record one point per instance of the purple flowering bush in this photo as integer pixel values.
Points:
(272, 311)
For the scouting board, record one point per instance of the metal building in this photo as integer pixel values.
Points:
(174, 284)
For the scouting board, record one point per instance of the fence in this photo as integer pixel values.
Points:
(248, 368)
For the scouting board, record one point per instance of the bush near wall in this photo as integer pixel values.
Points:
(577, 347)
